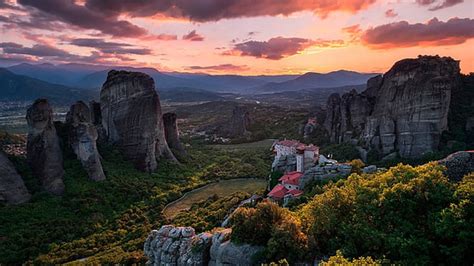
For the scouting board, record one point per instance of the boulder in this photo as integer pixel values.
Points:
(82, 138)
(12, 188)
(43, 150)
(369, 169)
(132, 118)
(172, 134)
(404, 111)
(458, 164)
(225, 252)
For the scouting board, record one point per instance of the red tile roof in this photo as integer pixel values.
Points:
(288, 143)
(291, 178)
(278, 192)
(295, 192)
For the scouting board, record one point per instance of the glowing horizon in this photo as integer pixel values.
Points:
(236, 36)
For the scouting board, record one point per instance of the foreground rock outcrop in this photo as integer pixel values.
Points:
(12, 187)
(172, 134)
(43, 150)
(82, 138)
(132, 118)
(458, 164)
(404, 111)
(181, 246)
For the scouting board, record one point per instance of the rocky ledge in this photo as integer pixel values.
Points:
(181, 246)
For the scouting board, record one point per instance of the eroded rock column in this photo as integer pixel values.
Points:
(82, 138)
(43, 150)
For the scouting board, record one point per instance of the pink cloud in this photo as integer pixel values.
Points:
(219, 68)
(278, 47)
(432, 33)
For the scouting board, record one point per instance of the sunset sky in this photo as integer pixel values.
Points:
(236, 36)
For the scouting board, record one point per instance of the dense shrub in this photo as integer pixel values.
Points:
(341, 152)
(273, 227)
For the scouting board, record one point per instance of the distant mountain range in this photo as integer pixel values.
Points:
(92, 76)
(312, 80)
(15, 87)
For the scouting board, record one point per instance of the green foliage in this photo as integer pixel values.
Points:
(357, 165)
(274, 177)
(341, 152)
(108, 221)
(339, 259)
(207, 214)
(395, 213)
(273, 227)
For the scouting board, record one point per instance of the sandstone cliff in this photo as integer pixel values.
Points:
(182, 247)
(82, 138)
(132, 118)
(43, 150)
(172, 134)
(12, 188)
(403, 111)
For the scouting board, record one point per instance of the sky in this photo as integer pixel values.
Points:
(248, 37)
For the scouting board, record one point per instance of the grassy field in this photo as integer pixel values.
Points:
(220, 189)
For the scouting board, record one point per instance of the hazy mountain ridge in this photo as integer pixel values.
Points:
(15, 87)
(93, 76)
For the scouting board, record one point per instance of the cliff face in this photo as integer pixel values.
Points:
(403, 111)
(172, 134)
(43, 150)
(132, 118)
(12, 188)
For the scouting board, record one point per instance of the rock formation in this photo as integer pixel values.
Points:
(403, 111)
(458, 164)
(43, 150)
(96, 120)
(172, 134)
(132, 118)
(238, 124)
(12, 188)
(82, 138)
(181, 246)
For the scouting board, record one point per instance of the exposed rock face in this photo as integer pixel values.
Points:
(181, 246)
(284, 164)
(318, 173)
(12, 188)
(238, 123)
(132, 118)
(43, 151)
(404, 111)
(96, 120)
(82, 138)
(172, 134)
(224, 252)
(458, 164)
